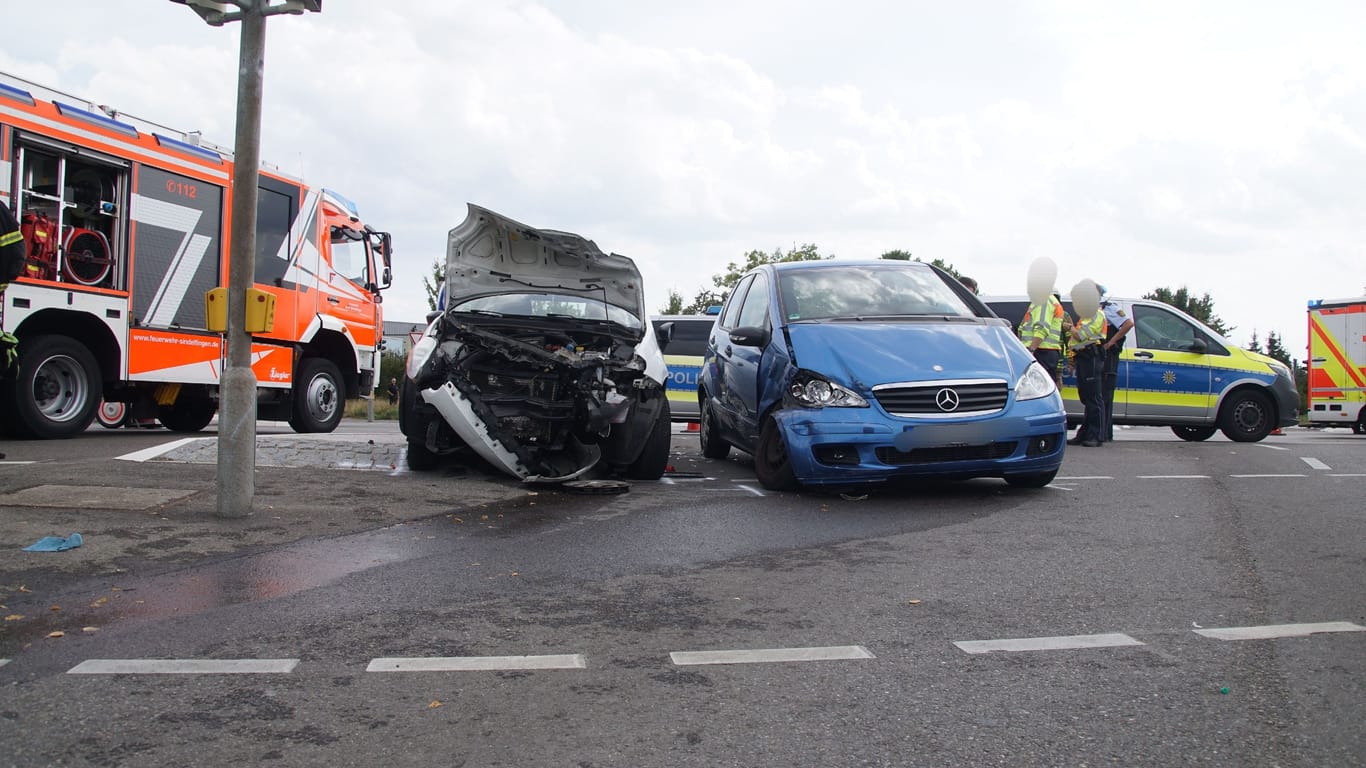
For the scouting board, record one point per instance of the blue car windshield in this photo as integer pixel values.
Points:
(549, 304)
(866, 291)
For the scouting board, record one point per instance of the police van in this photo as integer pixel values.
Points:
(684, 340)
(1175, 371)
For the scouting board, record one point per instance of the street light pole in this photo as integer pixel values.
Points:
(237, 388)
(237, 391)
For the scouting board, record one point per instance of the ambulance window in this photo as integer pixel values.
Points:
(349, 257)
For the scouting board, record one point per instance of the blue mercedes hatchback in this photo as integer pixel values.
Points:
(833, 373)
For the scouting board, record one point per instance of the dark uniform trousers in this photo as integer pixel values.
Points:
(1108, 381)
(1090, 362)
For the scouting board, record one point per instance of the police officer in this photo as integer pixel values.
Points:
(1041, 331)
(1088, 334)
(1117, 324)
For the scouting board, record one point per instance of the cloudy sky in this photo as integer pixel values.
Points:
(1215, 145)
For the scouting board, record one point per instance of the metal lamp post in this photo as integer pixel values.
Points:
(237, 389)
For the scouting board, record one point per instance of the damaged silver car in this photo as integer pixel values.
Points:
(541, 361)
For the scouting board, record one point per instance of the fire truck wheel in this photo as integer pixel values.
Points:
(58, 387)
(190, 412)
(318, 396)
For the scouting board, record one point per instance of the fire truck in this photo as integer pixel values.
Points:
(1337, 363)
(126, 223)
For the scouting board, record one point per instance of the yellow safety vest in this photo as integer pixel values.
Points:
(1043, 322)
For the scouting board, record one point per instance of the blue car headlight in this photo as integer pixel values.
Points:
(1034, 384)
(815, 391)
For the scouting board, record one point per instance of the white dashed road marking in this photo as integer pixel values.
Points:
(1246, 476)
(478, 663)
(183, 667)
(1278, 630)
(1272, 447)
(1086, 477)
(770, 655)
(147, 454)
(1072, 642)
(1173, 477)
(1314, 463)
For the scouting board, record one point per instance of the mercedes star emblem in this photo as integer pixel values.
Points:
(946, 399)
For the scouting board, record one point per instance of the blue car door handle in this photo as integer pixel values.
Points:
(1144, 355)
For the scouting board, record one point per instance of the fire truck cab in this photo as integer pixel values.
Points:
(127, 225)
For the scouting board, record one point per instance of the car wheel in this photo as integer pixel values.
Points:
(1194, 434)
(317, 396)
(111, 415)
(1246, 418)
(771, 462)
(58, 387)
(420, 459)
(189, 413)
(708, 434)
(1034, 480)
(654, 457)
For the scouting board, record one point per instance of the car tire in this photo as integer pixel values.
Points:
(318, 396)
(772, 465)
(1033, 480)
(70, 383)
(1194, 434)
(709, 434)
(1246, 417)
(189, 413)
(420, 459)
(654, 457)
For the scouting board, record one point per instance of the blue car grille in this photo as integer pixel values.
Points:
(924, 399)
(943, 453)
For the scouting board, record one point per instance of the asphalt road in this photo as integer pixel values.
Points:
(961, 624)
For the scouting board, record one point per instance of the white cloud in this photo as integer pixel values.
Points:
(1215, 145)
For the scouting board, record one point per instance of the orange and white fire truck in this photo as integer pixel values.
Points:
(1337, 363)
(126, 223)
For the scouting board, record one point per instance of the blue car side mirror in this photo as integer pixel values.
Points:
(750, 336)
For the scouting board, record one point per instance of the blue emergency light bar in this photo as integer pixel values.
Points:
(189, 149)
(17, 94)
(90, 117)
(344, 200)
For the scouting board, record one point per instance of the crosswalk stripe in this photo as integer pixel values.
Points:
(1064, 643)
(1272, 631)
(771, 655)
(477, 663)
(183, 667)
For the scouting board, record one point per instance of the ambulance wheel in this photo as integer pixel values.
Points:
(1194, 434)
(1359, 426)
(654, 457)
(111, 415)
(317, 396)
(1246, 417)
(191, 412)
(58, 387)
(772, 465)
(709, 435)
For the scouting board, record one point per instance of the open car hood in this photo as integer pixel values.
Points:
(490, 254)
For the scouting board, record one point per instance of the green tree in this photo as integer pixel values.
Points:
(1254, 345)
(900, 255)
(675, 305)
(1274, 348)
(433, 284)
(1201, 309)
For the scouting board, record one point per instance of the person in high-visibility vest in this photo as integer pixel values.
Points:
(13, 252)
(1088, 335)
(1041, 331)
